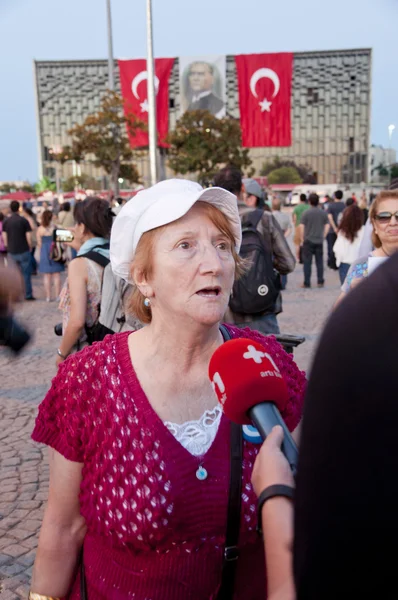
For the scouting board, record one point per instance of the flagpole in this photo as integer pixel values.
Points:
(151, 98)
(111, 64)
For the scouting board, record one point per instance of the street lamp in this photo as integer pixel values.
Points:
(390, 132)
(390, 159)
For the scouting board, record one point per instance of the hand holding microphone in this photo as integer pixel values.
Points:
(271, 467)
(251, 389)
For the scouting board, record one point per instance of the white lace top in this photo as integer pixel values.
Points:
(197, 436)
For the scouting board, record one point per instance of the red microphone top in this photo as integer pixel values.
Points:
(243, 374)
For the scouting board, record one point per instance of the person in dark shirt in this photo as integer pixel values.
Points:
(314, 227)
(17, 238)
(335, 208)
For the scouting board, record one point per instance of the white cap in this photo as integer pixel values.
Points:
(159, 205)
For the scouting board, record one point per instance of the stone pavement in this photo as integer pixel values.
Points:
(24, 381)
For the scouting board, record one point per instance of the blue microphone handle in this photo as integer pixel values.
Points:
(264, 417)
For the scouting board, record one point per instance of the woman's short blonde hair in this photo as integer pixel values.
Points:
(143, 259)
(381, 196)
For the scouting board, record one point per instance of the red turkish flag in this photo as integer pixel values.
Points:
(265, 86)
(133, 81)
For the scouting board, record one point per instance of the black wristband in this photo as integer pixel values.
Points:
(271, 492)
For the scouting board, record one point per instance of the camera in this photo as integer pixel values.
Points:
(63, 235)
(12, 334)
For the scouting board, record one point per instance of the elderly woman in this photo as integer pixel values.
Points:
(140, 456)
(383, 215)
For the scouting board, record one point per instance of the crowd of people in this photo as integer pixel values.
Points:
(140, 462)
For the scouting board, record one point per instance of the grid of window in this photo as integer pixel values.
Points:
(330, 110)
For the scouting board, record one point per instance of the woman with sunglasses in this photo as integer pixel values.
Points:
(384, 218)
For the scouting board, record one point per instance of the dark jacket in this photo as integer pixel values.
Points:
(211, 102)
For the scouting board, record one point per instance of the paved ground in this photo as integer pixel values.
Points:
(24, 381)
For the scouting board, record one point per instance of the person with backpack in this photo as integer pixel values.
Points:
(81, 294)
(256, 299)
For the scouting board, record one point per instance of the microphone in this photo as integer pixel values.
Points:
(251, 389)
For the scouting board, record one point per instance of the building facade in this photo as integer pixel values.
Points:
(331, 96)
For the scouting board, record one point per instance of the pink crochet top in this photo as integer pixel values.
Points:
(154, 530)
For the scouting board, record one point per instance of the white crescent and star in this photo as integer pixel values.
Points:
(134, 88)
(264, 73)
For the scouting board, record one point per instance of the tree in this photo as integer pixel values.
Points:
(102, 137)
(202, 144)
(394, 171)
(284, 175)
(6, 188)
(305, 172)
(45, 185)
(80, 181)
(27, 187)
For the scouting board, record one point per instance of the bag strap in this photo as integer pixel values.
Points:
(96, 257)
(83, 584)
(253, 218)
(231, 551)
(101, 260)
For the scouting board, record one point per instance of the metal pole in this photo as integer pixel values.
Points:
(151, 98)
(111, 78)
(390, 132)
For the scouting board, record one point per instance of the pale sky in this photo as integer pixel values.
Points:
(76, 29)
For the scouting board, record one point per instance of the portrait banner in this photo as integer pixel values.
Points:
(133, 83)
(203, 84)
(265, 88)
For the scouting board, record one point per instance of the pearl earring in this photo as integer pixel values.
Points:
(147, 302)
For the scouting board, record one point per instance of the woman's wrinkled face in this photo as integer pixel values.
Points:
(387, 231)
(193, 270)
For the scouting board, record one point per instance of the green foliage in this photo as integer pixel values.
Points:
(80, 181)
(381, 169)
(305, 172)
(45, 185)
(394, 171)
(6, 188)
(202, 144)
(284, 175)
(28, 188)
(102, 138)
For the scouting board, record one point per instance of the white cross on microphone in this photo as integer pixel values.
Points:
(256, 355)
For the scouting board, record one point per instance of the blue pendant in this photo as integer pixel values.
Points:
(201, 473)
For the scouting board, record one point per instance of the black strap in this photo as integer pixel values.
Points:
(253, 218)
(96, 257)
(83, 585)
(101, 260)
(272, 491)
(231, 551)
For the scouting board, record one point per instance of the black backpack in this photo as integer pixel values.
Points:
(257, 290)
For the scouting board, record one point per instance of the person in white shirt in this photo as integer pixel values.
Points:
(349, 238)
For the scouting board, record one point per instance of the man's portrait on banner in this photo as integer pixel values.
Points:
(202, 84)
